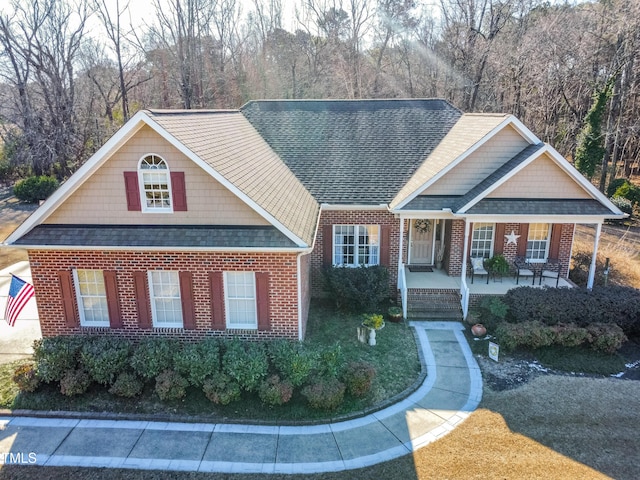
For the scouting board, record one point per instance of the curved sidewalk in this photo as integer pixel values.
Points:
(451, 391)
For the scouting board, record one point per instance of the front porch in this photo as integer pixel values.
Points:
(436, 295)
(439, 280)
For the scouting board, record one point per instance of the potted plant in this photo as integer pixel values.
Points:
(498, 265)
(395, 314)
(372, 321)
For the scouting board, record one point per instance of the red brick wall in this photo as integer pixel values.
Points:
(282, 269)
(455, 236)
(509, 251)
(356, 217)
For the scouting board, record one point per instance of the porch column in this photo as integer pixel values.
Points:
(401, 246)
(592, 268)
(465, 252)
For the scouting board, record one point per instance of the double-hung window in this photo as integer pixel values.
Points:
(164, 292)
(538, 242)
(355, 245)
(155, 184)
(240, 300)
(482, 240)
(92, 298)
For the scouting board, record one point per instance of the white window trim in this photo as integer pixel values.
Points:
(546, 249)
(356, 247)
(227, 311)
(493, 237)
(80, 301)
(143, 196)
(154, 314)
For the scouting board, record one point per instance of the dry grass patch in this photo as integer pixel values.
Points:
(12, 214)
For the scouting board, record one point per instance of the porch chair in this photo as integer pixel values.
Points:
(524, 269)
(551, 269)
(477, 267)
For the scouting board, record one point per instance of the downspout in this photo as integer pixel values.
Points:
(592, 268)
(401, 246)
(465, 252)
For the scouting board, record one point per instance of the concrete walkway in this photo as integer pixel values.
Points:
(451, 391)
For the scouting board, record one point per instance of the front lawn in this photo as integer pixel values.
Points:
(394, 357)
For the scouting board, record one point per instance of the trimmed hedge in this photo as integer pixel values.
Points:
(357, 289)
(579, 306)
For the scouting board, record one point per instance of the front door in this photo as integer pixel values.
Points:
(421, 243)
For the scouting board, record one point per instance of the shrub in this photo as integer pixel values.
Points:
(527, 334)
(358, 377)
(55, 356)
(127, 385)
(26, 378)
(614, 185)
(624, 204)
(198, 361)
(153, 356)
(170, 385)
(274, 391)
(582, 307)
(606, 338)
(330, 361)
(34, 189)
(245, 363)
(357, 289)
(325, 394)
(75, 382)
(629, 191)
(221, 389)
(292, 361)
(372, 320)
(491, 311)
(105, 357)
(569, 335)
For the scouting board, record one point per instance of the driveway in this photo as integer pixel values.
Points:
(16, 342)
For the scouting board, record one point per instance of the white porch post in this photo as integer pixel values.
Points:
(401, 242)
(465, 251)
(592, 268)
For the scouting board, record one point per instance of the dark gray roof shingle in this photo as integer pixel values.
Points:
(528, 206)
(352, 151)
(156, 236)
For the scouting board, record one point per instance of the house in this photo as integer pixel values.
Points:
(194, 223)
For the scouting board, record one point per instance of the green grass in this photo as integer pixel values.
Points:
(8, 390)
(395, 358)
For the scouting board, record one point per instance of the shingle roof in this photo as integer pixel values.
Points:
(431, 202)
(156, 236)
(468, 131)
(227, 142)
(528, 206)
(358, 151)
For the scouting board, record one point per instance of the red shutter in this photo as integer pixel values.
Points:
(178, 192)
(142, 299)
(262, 299)
(217, 300)
(186, 297)
(498, 242)
(385, 240)
(327, 245)
(522, 241)
(132, 190)
(68, 299)
(113, 303)
(554, 247)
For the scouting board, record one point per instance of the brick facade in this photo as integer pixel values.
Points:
(283, 288)
(355, 217)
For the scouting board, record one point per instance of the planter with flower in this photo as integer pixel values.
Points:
(372, 322)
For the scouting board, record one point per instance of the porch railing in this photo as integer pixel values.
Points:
(402, 286)
(464, 298)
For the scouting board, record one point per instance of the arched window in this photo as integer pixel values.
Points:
(155, 184)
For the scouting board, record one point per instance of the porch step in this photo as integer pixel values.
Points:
(432, 306)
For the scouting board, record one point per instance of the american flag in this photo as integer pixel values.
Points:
(19, 294)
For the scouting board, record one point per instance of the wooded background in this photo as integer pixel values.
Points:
(73, 71)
